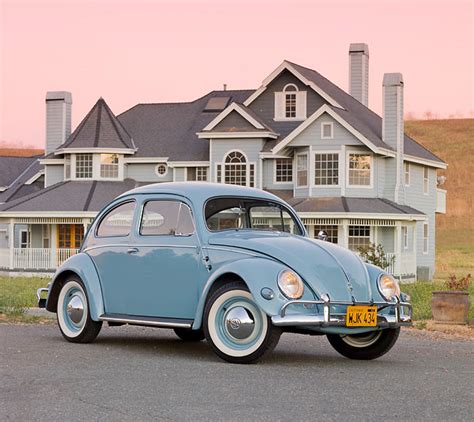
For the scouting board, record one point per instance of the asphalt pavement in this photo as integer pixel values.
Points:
(135, 374)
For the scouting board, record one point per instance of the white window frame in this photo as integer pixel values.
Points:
(339, 174)
(296, 170)
(68, 164)
(275, 181)
(196, 170)
(426, 238)
(300, 104)
(248, 165)
(426, 180)
(406, 172)
(20, 242)
(405, 237)
(166, 171)
(75, 166)
(100, 167)
(372, 162)
(331, 125)
(349, 237)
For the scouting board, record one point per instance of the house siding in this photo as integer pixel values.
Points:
(179, 174)
(146, 173)
(53, 174)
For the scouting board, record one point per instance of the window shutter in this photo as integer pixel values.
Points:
(279, 105)
(301, 105)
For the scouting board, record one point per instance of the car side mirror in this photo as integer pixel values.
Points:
(322, 235)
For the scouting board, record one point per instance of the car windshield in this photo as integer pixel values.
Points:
(249, 213)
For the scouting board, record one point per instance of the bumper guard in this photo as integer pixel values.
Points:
(339, 320)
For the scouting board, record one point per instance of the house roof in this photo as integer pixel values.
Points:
(99, 129)
(169, 129)
(361, 117)
(18, 188)
(345, 204)
(12, 167)
(77, 196)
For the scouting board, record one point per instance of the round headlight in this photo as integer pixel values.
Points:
(290, 284)
(388, 286)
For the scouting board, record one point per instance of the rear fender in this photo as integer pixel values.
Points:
(257, 273)
(82, 266)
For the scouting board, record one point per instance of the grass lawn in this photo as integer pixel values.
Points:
(19, 293)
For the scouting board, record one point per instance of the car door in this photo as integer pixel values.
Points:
(110, 250)
(166, 262)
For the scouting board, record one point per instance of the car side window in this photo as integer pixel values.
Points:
(118, 222)
(161, 218)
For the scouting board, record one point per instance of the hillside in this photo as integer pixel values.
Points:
(453, 141)
(19, 152)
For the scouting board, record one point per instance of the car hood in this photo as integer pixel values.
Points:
(325, 267)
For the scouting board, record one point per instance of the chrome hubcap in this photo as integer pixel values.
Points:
(362, 340)
(239, 323)
(75, 309)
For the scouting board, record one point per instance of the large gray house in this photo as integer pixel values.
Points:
(344, 169)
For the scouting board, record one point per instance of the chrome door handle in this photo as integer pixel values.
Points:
(132, 250)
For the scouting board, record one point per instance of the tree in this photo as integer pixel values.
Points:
(375, 254)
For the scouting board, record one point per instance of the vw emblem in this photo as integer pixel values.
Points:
(234, 323)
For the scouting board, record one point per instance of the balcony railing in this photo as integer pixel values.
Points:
(34, 258)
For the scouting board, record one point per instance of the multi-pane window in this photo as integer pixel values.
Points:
(302, 170)
(252, 175)
(326, 169)
(327, 130)
(426, 180)
(109, 164)
(290, 105)
(284, 170)
(331, 232)
(407, 173)
(405, 237)
(83, 166)
(359, 169)
(425, 238)
(197, 174)
(359, 237)
(161, 169)
(235, 169)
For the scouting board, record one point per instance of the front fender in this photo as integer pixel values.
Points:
(83, 266)
(257, 273)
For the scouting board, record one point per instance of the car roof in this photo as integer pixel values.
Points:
(200, 191)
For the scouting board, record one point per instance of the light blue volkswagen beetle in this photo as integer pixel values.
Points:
(228, 264)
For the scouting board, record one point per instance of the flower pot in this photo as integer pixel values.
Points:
(450, 307)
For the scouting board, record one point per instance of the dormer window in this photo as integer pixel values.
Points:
(84, 166)
(290, 104)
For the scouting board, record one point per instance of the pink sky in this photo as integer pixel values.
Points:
(161, 51)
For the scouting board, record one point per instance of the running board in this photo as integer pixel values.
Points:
(147, 321)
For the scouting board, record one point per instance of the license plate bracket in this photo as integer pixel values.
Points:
(361, 316)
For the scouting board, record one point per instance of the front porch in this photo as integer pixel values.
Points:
(39, 244)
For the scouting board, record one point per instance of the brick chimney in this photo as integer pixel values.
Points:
(393, 126)
(359, 72)
(58, 119)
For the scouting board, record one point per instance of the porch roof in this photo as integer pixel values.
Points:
(83, 196)
(344, 204)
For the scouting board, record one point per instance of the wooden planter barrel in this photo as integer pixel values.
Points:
(450, 307)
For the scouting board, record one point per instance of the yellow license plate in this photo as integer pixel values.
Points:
(361, 316)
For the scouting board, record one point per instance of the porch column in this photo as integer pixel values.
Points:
(53, 246)
(398, 248)
(11, 241)
(344, 241)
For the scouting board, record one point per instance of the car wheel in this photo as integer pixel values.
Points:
(73, 313)
(235, 327)
(186, 334)
(365, 346)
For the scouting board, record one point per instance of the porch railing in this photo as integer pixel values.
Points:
(34, 258)
(391, 268)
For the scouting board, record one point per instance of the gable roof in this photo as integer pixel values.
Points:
(99, 129)
(19, 187)
(170, 129)
(357, 115)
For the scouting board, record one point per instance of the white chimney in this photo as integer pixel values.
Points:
(58, 119)
(393, 126)
(359, 72)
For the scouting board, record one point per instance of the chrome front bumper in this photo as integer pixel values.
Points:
(401, 317)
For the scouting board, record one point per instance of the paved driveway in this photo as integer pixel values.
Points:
(134, 373)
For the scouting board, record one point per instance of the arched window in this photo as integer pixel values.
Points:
(290, 91)
(235, 169)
